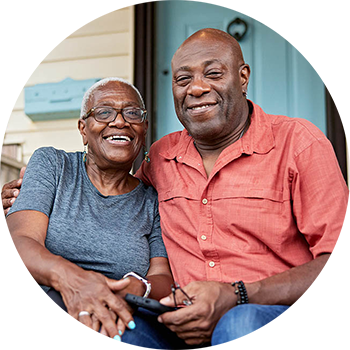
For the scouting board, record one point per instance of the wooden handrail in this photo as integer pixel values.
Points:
(13, 163)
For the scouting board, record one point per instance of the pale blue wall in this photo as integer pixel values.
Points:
(319, 49)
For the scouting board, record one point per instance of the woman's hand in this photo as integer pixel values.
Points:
(89, 291)
(81, 290)
(134, 287)
(159, 276)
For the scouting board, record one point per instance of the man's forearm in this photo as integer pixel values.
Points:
(287, 287)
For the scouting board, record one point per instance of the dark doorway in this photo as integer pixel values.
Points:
(338, 120)
(144, 66)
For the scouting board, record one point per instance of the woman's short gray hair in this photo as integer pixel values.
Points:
(89, 93)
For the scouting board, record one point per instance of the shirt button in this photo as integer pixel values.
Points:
(203, 237)
(212, 264)
(204, 201)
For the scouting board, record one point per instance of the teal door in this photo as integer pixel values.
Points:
(294, 47)
(177, 20)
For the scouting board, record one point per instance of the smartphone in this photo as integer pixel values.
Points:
(147, 303)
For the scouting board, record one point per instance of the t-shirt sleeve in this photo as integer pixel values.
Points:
(39, 183)
(155, 240)
(320, 196)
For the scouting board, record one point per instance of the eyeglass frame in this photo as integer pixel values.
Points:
(119, 111)
(176, 286)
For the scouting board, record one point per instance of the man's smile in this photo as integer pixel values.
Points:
(200, 108)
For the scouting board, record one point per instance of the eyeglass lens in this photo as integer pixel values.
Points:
(130, 114)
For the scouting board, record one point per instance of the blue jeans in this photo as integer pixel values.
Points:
(248, 327)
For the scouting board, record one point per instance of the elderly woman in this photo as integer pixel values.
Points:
(82, 222)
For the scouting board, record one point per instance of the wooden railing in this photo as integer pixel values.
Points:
(10, 169)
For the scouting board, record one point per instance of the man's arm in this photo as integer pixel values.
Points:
(10, 191)
(211, 300)
(287, 287)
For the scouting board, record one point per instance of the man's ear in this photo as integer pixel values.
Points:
(82, 130)
(245, 74)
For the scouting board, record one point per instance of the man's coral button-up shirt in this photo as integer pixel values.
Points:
(275, 199)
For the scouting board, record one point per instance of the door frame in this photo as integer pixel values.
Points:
(144, 56)
(338, 125)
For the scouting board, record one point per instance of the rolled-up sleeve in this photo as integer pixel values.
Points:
(320, 196)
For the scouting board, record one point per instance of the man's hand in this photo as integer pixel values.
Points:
(195, 323)
(10, 191)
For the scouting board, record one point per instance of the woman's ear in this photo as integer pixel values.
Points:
(82, 130)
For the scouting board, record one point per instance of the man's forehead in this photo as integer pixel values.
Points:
(202, 54)
(207, 47)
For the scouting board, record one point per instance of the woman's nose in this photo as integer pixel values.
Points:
(119, 120)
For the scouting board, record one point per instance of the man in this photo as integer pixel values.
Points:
(243, 196)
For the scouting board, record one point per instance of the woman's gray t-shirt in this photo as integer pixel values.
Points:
(112, 235)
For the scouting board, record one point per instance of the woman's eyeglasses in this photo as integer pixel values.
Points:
(132, 115)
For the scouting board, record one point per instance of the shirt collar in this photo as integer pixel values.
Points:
(181, 147)
(258, 138)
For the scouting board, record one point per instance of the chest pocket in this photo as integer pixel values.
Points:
(253, 193)
(252, 218)
(179, 192)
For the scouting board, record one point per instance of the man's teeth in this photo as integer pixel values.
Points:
(118, 138)
(200, 107)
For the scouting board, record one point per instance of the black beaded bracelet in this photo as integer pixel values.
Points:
(241, 292)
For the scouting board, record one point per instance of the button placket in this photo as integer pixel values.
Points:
(212, 259)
